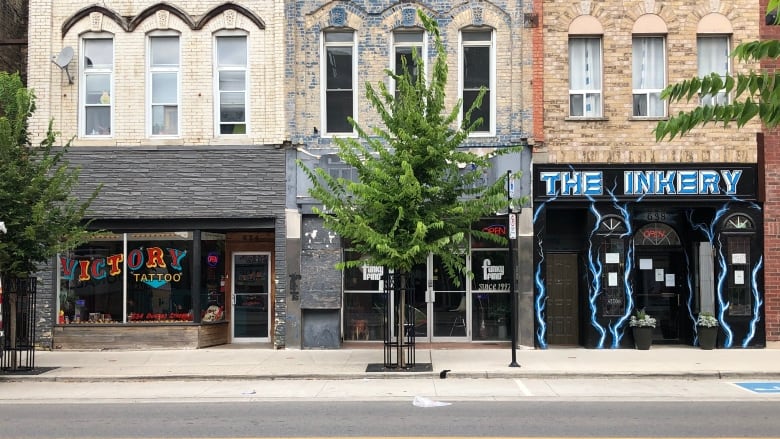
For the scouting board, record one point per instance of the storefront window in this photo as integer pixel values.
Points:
(490, 301)
(212, 293)
(158, 277)
(490, 297)
(139, 278)
(364, 301)
(91, 282)
(491, 314)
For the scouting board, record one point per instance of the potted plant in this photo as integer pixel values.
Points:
(642, 325)
(707, 329)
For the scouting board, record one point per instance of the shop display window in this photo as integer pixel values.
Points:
(491, 316)
(213, 280)
(158, 278)
(364, 301)
(364, 316)
(139, 278)
(91, 282)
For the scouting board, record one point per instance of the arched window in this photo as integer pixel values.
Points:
(738, 221)
(656, 234)
(585, 55)
(713, 43)
(231, 82)
(648, 70)
(611, 225)
(477, 69)
(97, 84)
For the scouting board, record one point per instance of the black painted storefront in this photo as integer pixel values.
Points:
(674, 240)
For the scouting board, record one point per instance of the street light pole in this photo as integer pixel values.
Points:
(513, 299)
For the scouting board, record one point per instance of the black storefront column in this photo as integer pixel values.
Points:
(18, 354)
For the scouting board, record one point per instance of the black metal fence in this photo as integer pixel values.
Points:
(399, 350)
(18, 353)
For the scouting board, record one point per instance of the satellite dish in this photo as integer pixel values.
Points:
(63, 59)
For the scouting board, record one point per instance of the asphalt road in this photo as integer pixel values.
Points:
(256, 419)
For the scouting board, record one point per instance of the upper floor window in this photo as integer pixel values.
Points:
(405, 43)
(164, 69)
(338, 72)
(477, 71)
(97, 82)
(713, 54)
(231, 84)
(585, 77)
(649, 76)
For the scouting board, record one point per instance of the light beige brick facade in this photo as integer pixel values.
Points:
(618, 137)
(63, 23)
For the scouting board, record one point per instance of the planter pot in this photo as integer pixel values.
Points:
(643, 337)
(708, 336)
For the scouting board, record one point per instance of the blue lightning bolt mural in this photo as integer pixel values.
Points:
(709, 233)
(618, 329)
(757, 302)
(541, 295)
(595, 266)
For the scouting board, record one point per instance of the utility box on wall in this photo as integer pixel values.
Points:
(321, 329)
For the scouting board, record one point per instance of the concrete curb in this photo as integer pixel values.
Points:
(725, 375)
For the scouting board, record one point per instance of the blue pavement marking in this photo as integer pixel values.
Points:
(771, 387)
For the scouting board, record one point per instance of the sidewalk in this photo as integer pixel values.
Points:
(252, 362)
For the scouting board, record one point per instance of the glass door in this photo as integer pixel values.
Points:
(250, 297)
(450, 308)
(439, 308)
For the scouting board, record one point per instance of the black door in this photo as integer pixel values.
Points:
(660, 277)
(562, 288)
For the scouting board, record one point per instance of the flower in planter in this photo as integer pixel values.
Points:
(641, 319)
(707, 320)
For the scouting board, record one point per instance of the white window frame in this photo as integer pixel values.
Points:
(86, 72)
(648, 92)
(217, 93)
(489, 129)
(169, 69)
(722, 97)
(324, 80)
(422, 45)
(598, 111)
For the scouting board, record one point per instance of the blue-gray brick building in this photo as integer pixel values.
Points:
(335, 49)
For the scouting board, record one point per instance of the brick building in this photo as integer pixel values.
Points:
(13, 37)
(769, 159)
(178, 111)
(192, 118)
(336, 48)
(623, 222)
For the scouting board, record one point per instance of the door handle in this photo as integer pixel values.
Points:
(232, 299)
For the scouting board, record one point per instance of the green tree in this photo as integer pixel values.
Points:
(756, 93)
(40, 213)
(416, 192)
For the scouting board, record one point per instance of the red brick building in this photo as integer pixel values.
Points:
(769, 165)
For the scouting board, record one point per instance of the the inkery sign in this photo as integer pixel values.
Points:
(152, 258)
(668, 182)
